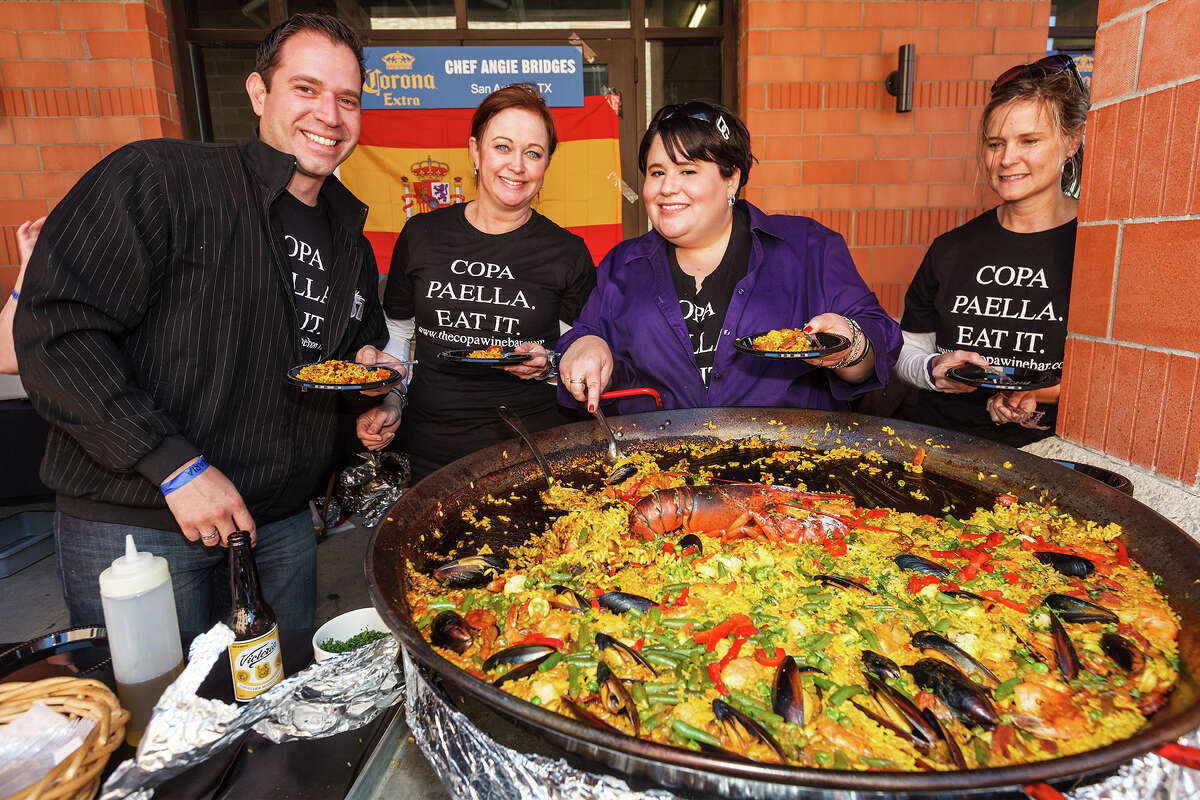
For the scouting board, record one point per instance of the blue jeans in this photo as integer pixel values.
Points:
(286, 557)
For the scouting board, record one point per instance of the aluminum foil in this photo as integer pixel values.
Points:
(329, 697)
(371, 488)
(473, 766)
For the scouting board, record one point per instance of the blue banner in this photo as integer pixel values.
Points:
(459, 77)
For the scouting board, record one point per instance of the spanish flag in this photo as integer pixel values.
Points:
(413, 160)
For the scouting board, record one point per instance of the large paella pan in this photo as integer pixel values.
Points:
(961, 473)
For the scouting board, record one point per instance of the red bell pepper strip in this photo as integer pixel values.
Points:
(639, 644)
(549, 641)
(1122, 553)
(1006, 499)
(917, 584)
(710, 637)
(668, 547)
(744, 631)
(876, 513)
(689, 550)
(994, 594)
(761, 657)
(714, 674)
(919, 458)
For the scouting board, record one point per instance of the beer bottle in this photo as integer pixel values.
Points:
(254, 655)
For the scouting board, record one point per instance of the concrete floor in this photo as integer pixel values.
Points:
(31, 601)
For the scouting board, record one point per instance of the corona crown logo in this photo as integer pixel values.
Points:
(398, 60)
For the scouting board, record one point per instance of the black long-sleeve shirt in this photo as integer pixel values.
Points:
(157, 323)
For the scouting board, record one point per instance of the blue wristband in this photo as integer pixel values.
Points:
(929, 367)
(16, 295)
(185, 477)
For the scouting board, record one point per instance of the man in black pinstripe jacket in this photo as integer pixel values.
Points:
(158, 320)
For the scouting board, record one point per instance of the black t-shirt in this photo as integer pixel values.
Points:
(468, 290)
(998, 293)
(704, 310)
(309, 247)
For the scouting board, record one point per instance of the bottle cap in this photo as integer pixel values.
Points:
(133, 573)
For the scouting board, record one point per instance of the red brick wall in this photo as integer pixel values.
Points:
(1130, 382)
(77, 80)
(828, 137)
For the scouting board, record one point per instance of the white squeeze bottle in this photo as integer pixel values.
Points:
(143, 632)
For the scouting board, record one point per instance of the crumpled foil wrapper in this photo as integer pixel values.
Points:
(473, 766)
(371, 488)
(329, 697)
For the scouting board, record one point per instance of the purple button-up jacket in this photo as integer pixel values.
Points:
(798, 269)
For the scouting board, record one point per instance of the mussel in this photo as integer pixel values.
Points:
(791, 698)
(880, 665)
(1124, 652)
(900, 715)
(690, 540)
(928, 640)
(847, 583)
(451, 631)
(953, 752)
(1077, 610)
(615, 697)
(471, 571)
(1072, 566)
(568, 599)
(620, 474)
(966, 699)
(620, 602)
(523, 658)
(915, 563)
(742, 731)
(588, 716)
(1064, 650)
(961, 593)
(623, 651)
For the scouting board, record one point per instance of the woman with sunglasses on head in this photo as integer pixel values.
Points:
(668, 305)
(994, 291)
(491, 272)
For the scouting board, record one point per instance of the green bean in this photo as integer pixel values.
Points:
(650, 720)
(876, 762)
(468, 602)
(856, 619)
(583, 537)
(674, 587)
(819, 643)
(981, 752)
(870, 638)
(820, 598)
(638, 692)
(845, 693)
(695, 734)
(661, 659)
(442, 605)
(942, 625)
(1005, 688)
(574, 673)
(839, 760)
(664, 698)
(551, 662)
(678, 622)
(954, 522)
(1040, 667)
(747, 700)
(559, 577)
(580, 659)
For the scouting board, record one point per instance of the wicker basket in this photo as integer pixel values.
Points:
(78, 776)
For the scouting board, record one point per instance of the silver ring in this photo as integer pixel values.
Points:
(577, 380)
(210, 535)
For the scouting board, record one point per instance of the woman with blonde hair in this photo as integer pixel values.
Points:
(994, 292)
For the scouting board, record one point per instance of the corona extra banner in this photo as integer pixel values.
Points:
(410, 161)
(459, 77)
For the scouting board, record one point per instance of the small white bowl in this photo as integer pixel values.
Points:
(344, 626)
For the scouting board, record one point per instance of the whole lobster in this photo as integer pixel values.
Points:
(755, 510)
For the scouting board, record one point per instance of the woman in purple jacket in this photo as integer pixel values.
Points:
(668, 305)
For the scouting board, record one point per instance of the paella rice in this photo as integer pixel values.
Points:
(341, 373)
(785, 340)
(781, 625)
(493, 351)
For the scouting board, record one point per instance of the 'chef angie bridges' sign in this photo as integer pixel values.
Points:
(459, 77)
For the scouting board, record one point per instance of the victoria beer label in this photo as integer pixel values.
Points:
(254, 655)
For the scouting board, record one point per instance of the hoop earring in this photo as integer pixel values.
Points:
(731, 202)
(1069, 178)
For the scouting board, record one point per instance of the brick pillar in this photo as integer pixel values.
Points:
(79, 79)
(1130, 382)
(829, 140)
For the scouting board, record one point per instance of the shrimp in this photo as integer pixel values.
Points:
(743, 673)
(1045, 711)
(1155, 623)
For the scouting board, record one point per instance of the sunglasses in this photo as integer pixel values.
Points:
(695, 109)
(1042, 68)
